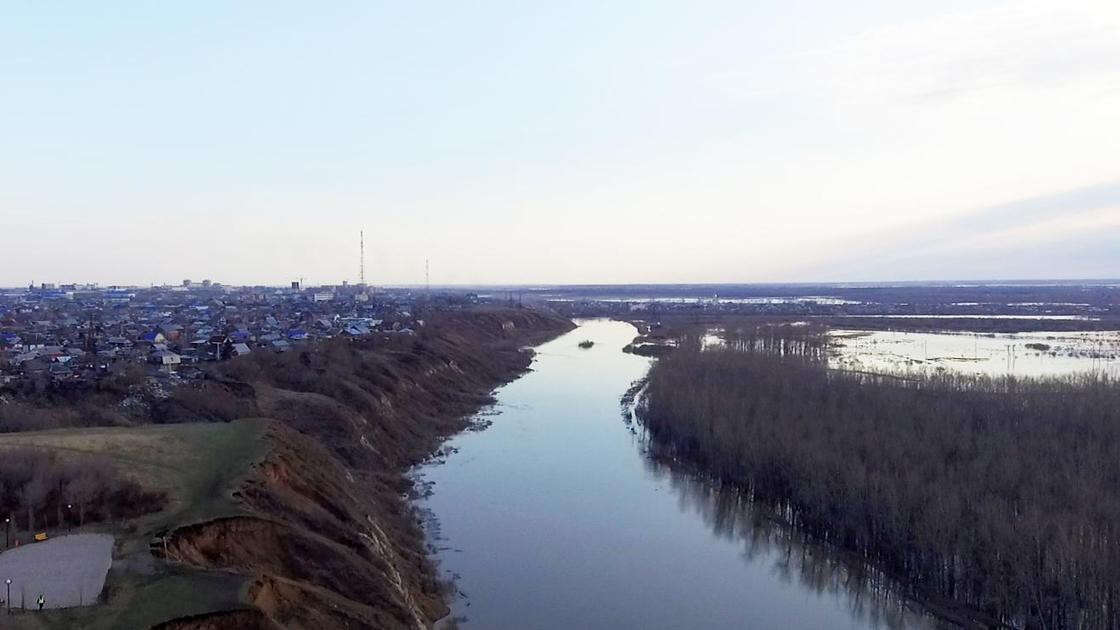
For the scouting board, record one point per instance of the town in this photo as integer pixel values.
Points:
(72, 335)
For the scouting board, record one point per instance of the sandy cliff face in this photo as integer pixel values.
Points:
(328, 538)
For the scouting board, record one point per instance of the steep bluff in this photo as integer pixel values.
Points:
(328, 537)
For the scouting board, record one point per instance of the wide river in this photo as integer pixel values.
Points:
(556, 517)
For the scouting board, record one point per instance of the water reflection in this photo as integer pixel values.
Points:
(556, 517)
(765, 538)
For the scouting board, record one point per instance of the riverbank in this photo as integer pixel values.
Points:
(930, 479)
(332, 541)
(556, 517)
(313, 529)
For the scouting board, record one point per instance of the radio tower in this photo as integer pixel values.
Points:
(362, 255)
(427, 279)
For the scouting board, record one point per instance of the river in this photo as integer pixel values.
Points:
(556, 516)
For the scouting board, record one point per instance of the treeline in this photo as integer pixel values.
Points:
(790, 552)
(59, 405)
(38, 491)
(996, 496)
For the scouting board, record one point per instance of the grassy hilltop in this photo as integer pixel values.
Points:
(283, 479)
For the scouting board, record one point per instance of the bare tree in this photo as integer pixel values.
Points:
(1000, 495)
(33, 493)
(58, 482)
(83, 490)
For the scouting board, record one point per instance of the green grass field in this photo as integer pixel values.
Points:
(198, 466)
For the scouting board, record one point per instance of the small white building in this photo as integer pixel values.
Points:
(166, 357)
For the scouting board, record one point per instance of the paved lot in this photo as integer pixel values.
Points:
(68, 570)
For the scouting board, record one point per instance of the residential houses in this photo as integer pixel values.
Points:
(80, 333)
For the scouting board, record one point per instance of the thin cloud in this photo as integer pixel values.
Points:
(1063, 228)
(924, 61)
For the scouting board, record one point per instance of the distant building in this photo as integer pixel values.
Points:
(171, 331)
(165, 357)
(355, 330)
(153, 336)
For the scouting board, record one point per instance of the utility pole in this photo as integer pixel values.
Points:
(93, 325)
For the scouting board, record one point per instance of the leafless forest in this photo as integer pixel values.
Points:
(996, 496)
(38, 491)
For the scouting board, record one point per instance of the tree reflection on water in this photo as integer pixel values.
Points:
(766, 537)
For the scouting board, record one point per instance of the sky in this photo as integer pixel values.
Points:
(578, 142)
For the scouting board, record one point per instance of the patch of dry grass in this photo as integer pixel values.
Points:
(198, 466)
(193, 463)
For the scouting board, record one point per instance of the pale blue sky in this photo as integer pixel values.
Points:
(589, 142)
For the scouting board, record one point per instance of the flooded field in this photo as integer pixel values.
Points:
(1080, 318)
(1019, 354)
(772, 300)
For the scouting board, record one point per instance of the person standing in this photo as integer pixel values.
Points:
(41, 601)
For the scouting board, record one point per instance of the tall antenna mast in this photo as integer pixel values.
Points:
(427, 279)
(362, 264)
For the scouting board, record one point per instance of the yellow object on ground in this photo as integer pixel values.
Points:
(40, 537)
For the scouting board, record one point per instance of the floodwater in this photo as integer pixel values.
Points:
(1019, 354)
(556, 516)
(811, 299)
(1078, 318)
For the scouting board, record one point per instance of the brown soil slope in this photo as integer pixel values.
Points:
(330, 539)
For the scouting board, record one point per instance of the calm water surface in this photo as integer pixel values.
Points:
(556, 517)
